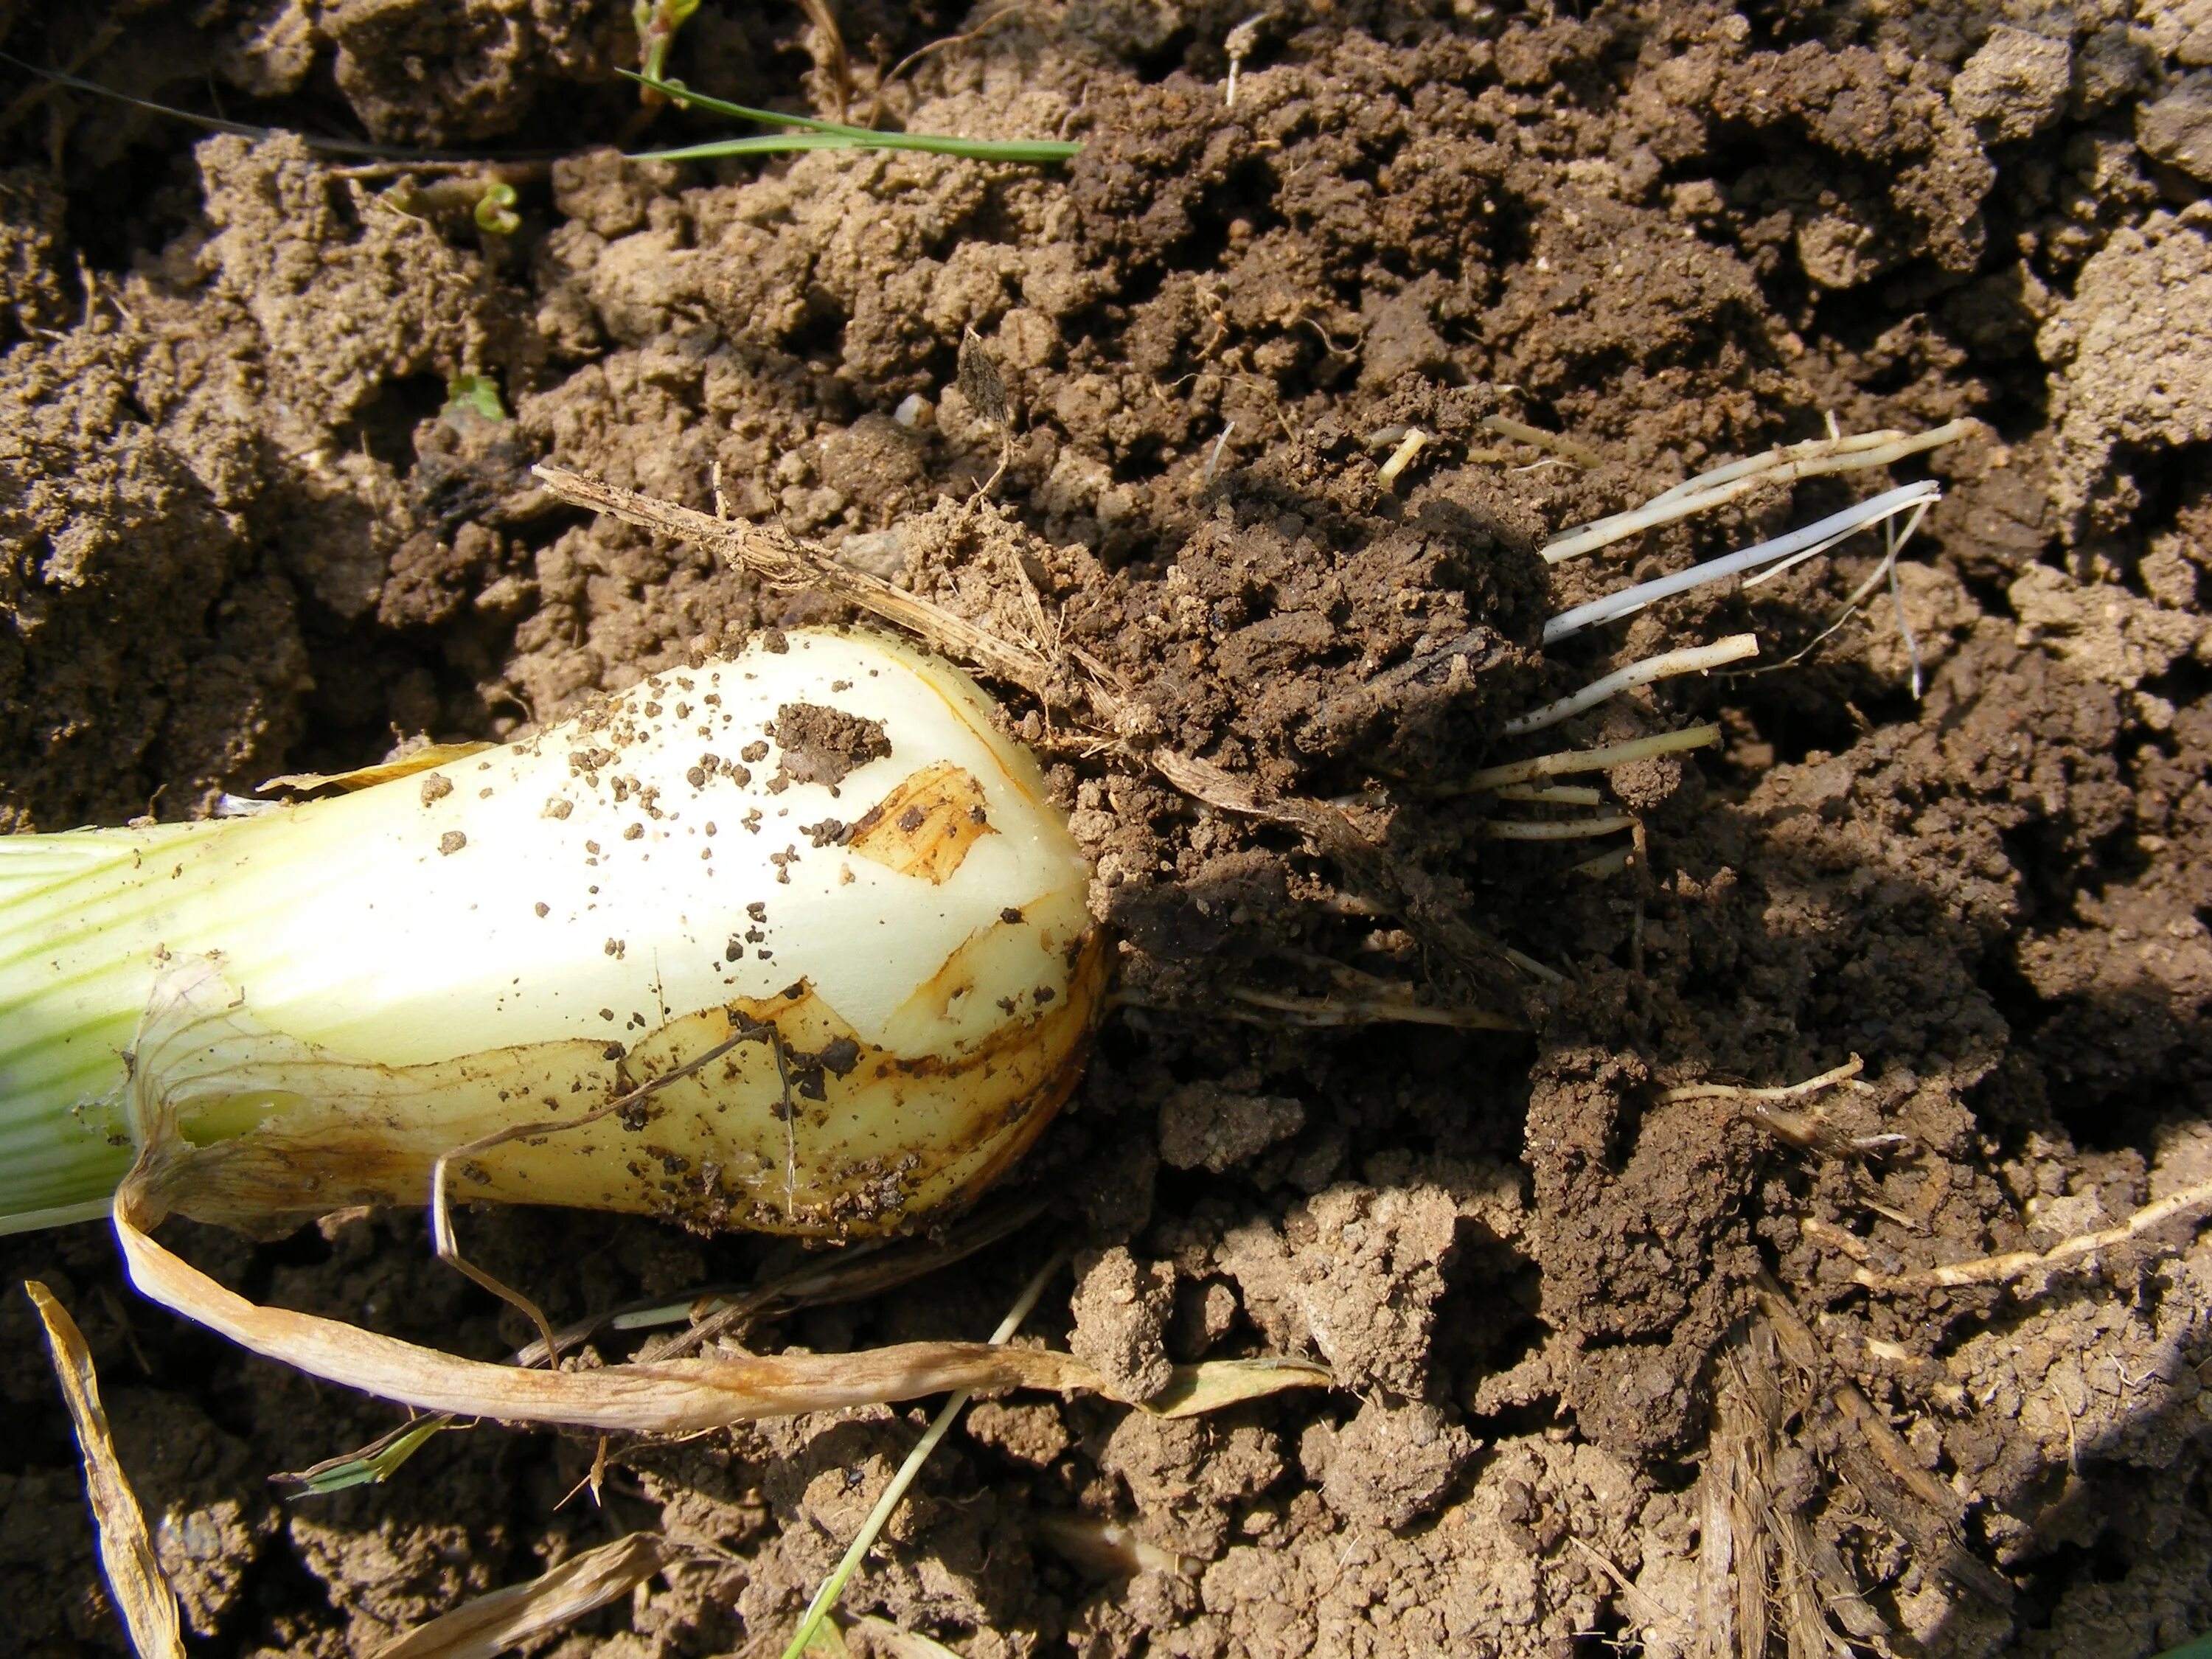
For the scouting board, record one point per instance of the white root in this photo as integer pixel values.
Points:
(1886, 571)
(1239, 44)
(1401, 457)
(1814, 538)
(1725, 484)
(1605, 864)
(1789, 1091)
(1601, 759)
(1558, 830)
(2188, 1205)
(1536, 438)
(1213, 460)
(1553, 794)
(1690, 660)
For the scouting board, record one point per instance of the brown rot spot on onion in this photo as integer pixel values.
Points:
(926, 826)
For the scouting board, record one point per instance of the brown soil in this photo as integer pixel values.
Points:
(237, 535)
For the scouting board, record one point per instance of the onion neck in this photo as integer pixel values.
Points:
(74, 965)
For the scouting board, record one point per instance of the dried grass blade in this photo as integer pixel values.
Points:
(828, 50)
(492, 1624)
(368, 777)
(1217, 1383)
(776, 556)
(1719, 1548)
(141, 1591)
(1369, 1010)
(677, 1396)
(1839, 1591)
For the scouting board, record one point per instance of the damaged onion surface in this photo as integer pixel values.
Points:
(820, 858)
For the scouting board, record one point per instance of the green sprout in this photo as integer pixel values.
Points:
(657, 22)
(473, 397)
(812, 134)
(372, 1466)
(495, 211)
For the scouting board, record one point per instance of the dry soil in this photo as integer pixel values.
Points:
(244, 531)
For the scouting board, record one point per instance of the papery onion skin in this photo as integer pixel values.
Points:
(320, 1000)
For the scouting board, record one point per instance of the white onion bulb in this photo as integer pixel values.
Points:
(827, 850)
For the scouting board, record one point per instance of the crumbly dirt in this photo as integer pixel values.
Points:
(821, 744)
(255, 516)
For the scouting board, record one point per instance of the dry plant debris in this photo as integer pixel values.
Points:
(142, 1595)
(668, 1397)
(506, 1619)
(2082, 1249)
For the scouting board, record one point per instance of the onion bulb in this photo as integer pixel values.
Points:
(821, 855)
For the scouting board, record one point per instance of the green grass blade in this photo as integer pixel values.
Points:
(813, 134)
(772, 144)
(372, 1465)
(814, 1621)
(974, 149)
(676, 92)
